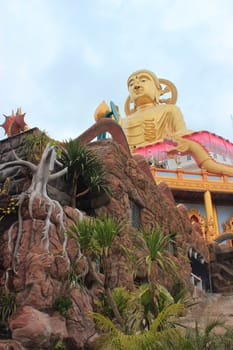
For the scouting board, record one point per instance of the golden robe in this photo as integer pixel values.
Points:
(150, 124)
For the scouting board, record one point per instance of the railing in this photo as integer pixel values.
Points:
(196, 281)
(193, 180)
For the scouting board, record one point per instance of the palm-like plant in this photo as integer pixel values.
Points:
(96, 236)
(141, 309)
(84, 166)
(83, 233)
(122, 298)
(106, 229)
(156, 246)
(138, 315)
(208, 338)
(164, 298)
(161, 335)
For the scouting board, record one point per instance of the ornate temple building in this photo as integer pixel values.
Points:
(208, 195)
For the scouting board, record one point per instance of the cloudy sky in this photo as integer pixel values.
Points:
(60, 58)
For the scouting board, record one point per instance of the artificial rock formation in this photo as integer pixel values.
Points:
(37, 272)
(37, 254)
(130, 187)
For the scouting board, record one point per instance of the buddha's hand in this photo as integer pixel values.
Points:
(182, 145)
(101, 111)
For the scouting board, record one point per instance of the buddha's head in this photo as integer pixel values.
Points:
(144, 87)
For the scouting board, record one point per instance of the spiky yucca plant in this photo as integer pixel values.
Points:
(155, 243)
(83, 166)
(96, 236)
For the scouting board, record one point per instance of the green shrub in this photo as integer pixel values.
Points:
(34, 146)
(62, 304)
(7, 305)
(60, 345)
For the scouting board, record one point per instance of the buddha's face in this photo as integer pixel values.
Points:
(142, 85)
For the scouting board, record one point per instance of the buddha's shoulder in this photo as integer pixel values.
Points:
(168, 107)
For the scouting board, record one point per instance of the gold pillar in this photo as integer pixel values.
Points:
(211, 233)
(216, 220)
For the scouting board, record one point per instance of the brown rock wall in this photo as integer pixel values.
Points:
(156, 205)
(35, 265)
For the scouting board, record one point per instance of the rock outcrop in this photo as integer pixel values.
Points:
(37, 254)
(35, 269)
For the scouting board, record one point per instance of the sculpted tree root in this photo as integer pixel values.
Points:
(10, 345)
(41, 175)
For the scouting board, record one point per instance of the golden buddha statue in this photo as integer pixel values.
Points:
(151, 119)
(154, 118)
